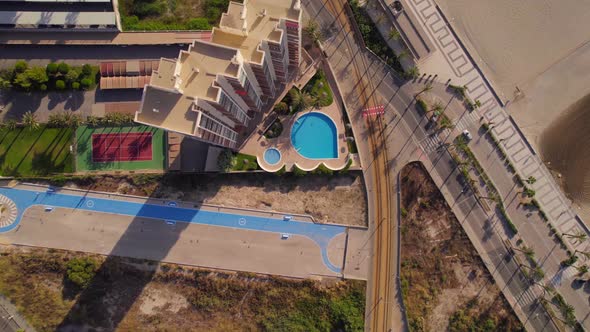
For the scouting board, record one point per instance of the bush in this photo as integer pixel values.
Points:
(281, 108)
(421, 106)
(63, 68)
(60, 85)
(76, 85)
(226, 160)
(72, 75)
(87, 70)
(298, 171)
(43, 87)
(21, 66)
(323, 170)
(198, 24)
(80, 271)
(51, 69)
(282, 170)
(86, 83)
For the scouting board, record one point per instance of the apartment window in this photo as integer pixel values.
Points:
(232, 108)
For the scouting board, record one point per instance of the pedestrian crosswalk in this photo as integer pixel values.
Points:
(527, 297)
(467, 120)
(434, 141)
(563, 274)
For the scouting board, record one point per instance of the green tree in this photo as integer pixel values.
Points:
(281, 108)
(87, 70)
(60, 85)
(226, 160)
(21, 66)
(394, 34)
(313, 31)
(80, 271)
(37, 75)
(5, 84)
(51, 69)
(76, 85)
(413, 72)
(43, 87)
(300, 101)
(72, 75)
(92, 120)
(63, 68)
(11, 124)
(30, 121)
(531, 179)
(199, 23)
(86, 83)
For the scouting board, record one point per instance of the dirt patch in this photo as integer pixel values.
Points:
(444, 282)
(122, 297)
(333, 199)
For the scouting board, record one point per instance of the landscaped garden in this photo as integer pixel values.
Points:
(35, 151)
(275, 130)
(53, 77)
(374, 41)
(230, 161)
(171, 15)
(316, 93)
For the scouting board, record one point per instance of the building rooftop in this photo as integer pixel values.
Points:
(167, 109)
(193, 73)
(57, 18)
(244, 26)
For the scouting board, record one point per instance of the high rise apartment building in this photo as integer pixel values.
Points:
(212, 90)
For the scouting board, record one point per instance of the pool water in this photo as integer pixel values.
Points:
(314, 136)
(272, 156)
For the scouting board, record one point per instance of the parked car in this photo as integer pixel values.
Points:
(467, 135)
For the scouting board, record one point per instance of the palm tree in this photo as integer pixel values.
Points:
(436, 108)
(426, 88)
(585, 254)
(403, 54)
(578, 236)
(583, 269)
(300, 100)
(11, 124)
(394, 34)
(30, 120)
(413, 72)
(313, 31)
(92, 120)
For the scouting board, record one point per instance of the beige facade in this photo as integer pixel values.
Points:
(212, 90)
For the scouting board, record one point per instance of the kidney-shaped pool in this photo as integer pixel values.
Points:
(314, 136)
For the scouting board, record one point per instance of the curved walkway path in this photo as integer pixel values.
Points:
(171, 212)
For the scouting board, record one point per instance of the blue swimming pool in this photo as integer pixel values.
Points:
(272, 156)
(314, 136)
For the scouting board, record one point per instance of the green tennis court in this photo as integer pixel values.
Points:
(84, 148)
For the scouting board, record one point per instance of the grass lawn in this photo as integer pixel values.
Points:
(317, 86)
(84, 160)
(25, 152)
(171, 14)
(245, 162)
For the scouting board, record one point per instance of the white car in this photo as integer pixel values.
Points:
(467, 135)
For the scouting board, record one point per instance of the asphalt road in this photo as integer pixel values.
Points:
(75, 54)
(402, 118)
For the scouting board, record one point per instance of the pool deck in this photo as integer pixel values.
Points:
(180, 232)
(289, 156)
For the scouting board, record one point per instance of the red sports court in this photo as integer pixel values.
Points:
(122, 147)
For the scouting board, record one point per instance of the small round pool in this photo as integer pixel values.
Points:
(272, 156)
(314, 136)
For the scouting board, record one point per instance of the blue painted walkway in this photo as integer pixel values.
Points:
(321, 234)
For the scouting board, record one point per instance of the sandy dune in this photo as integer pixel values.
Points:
(565, 145)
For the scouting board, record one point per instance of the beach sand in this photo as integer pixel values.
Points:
(564, 144)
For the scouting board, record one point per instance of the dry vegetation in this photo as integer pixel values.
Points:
(444, 282)
(132, 295)
(336, 199)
